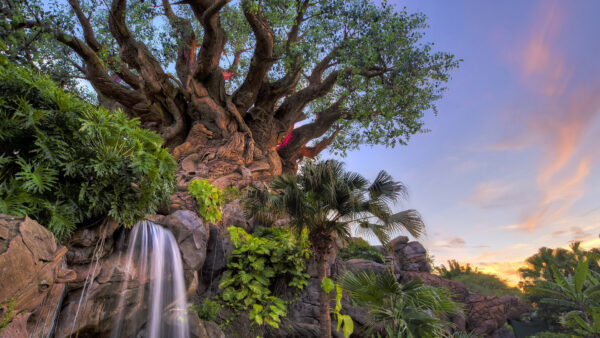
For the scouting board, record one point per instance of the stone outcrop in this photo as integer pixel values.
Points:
(33, 274)
(408, 256)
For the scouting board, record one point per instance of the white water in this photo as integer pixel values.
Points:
(153, 262)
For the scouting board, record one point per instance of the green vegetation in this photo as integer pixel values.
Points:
(258, 260)
(401, 310)
(231, 193)
(64, 162)
(576, 297)
(361, 249)
(208, 309)
(8, 311)
(326, 201)
(343, 321)
(475, 281)
(210, 199)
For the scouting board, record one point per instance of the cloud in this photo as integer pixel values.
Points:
(494, 194)
(454, 242)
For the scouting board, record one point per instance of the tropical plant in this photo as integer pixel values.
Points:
(258, 260)
(210, 199)
(576, 297)
(454, 269)
(563, 260)
(207, 310)
(411, 310)
(343, 321)
(361, 249)
(64, 162)
(327, 201)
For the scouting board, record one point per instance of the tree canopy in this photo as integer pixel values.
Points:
(296, 75)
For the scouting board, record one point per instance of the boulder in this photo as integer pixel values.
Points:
(356, 265)
(33, 274)
(487, 314)
(408, 256)
(219, 248)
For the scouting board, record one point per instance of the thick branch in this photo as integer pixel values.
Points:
(261, 62)
(185, 55)
(292, 107)
(213, 43)
(88, 32)
(305, 133)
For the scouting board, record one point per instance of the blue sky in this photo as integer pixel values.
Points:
(511, 162)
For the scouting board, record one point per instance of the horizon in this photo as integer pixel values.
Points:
(510, 164)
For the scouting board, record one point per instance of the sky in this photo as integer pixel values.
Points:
(512, 161)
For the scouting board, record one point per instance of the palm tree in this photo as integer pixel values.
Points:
(410, 310)
(327, 200)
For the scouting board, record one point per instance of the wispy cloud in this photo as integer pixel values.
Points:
(494, 194)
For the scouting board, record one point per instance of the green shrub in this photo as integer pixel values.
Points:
(258, 260)
(231, 193)
(361, 249)
(486, 284)
(210, 199)
(208, 309)
(454, 269)
(64, 162)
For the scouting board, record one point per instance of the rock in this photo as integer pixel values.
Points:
(409, 256)
(33, 274)
(203, 329)
(191, 234)
(218, 250)
(460, 291)
(82, 242)
(233, 214)
(356, 265)
(487, 314)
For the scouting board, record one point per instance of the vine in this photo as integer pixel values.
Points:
(343, 321)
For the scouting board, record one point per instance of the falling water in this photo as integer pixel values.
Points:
(154, 264)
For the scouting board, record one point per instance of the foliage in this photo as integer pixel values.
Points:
(361, 249)
(385, 75)
(475, 281)
(576, 297)
(549, 334)
(8, 311)
(208, 309)
(210, 199)
(343, 321)
(258, 260)
(326, 201)
(563, 260)
(401, 310)
(231, 193)
(64, 162)
(541, 266)
(454, 269)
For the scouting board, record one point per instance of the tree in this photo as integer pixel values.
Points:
(327, 200)
(254, 84)
(575, 296)
(410, 310)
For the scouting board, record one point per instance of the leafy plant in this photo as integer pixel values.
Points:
(328, 201)
(231, 193)
(401, 310)
(258, 260)
(343, 321)
(575, 296)
(359, 248)
(210, 199)
(64, 162)
(454, 269)
(208, 309)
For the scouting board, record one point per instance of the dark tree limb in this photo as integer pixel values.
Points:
(185, 55)
(88, 32)
(260, 64)
(213, 43)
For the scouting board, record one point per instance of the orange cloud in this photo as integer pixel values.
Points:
(507, 270)
(543, 66)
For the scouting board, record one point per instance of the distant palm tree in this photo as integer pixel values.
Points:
(411, 310)
(327, 200)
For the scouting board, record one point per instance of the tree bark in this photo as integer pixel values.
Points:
(322, 244)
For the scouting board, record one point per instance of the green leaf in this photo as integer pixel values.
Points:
(327, 284)
(348, 325)
(581, 273)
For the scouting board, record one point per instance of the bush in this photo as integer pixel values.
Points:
(258, 260)
(64, 162)
(475, 281)
(210, 199)
(361, 249)
(208, 309)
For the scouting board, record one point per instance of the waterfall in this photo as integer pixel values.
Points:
(153, 264)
